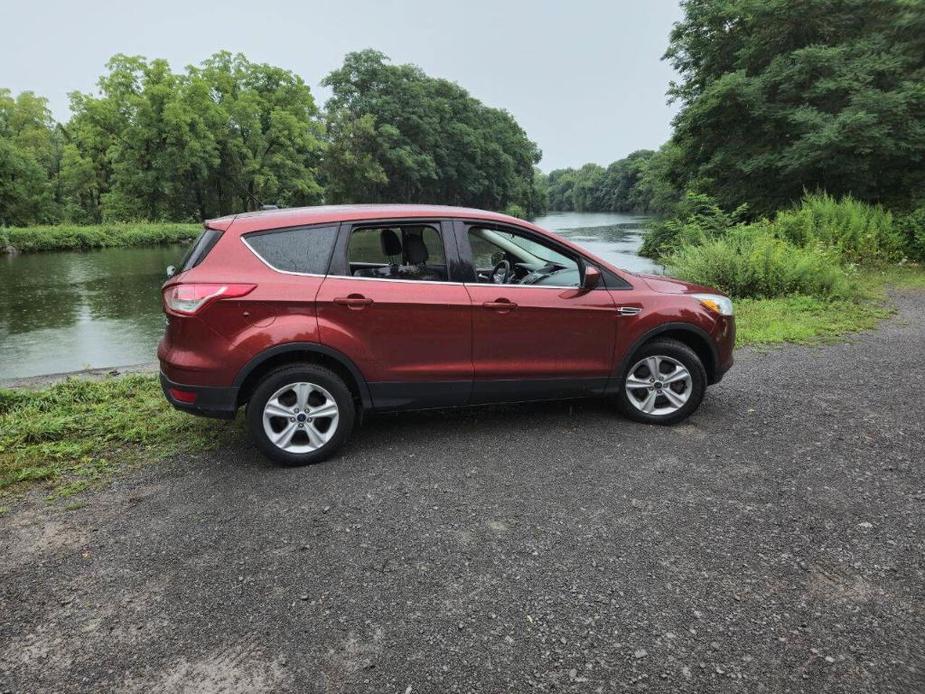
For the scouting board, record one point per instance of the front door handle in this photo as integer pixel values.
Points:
(501, 305)
(354, 301)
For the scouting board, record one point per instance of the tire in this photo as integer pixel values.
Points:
(668, 356)
(297, 391)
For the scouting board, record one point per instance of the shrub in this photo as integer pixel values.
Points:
(698, 219)
(77, 237)
(750, 261)
(515, 210)
(856, 231)
(912, 227)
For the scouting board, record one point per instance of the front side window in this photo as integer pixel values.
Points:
(399, 252)
(502, 256)
(305, 251)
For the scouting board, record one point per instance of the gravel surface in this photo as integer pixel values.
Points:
(772, 543)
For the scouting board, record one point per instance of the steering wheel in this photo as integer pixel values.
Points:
(501, 273)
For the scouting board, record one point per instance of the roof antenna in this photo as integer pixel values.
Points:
(269, 207)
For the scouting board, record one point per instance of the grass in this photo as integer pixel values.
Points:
(809, 320)
(802, 319)
(79, 237)
(76, 433)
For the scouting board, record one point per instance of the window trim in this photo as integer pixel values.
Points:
(581, 261)
(327, 265)
(339, 265)
(203, 250)
(467, 260)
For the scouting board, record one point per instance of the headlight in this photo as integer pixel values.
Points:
(716, 303)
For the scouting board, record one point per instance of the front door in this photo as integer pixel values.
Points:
(536, 333)
(390, 304)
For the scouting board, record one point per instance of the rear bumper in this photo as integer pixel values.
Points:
(205, 401)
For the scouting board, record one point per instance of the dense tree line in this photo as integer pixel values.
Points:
(231, 135)
(635, 184)
(397, 134)
(780, 97)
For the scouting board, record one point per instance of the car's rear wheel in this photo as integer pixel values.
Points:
(664, 383)
(300, 414)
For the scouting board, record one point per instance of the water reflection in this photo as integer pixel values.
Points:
(68, 311)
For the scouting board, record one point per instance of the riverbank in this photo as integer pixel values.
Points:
(76, 433)
(74, 237)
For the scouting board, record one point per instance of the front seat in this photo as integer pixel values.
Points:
(390, 245)
(416, 254)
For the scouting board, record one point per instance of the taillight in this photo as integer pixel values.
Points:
(187, 299)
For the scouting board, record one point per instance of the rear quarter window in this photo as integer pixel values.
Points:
(200, 249)
(306, 250)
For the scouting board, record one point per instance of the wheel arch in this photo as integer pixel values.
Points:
(691, 335)
(294, 352)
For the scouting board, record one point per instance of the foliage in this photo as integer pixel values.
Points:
(223, 137)
(750, 262)
(28, 151)
(398, 135)
(697, 219)
(912, 227)
(627, 185)
(83, 237)
(855, 231)
(74, 432)
(802, 319)
(779, 97)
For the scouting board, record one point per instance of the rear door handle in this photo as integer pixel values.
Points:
(502, 305)
(355, 301)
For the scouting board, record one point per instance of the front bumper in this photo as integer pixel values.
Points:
(220, 403)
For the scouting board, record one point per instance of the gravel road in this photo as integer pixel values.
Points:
(775, 542)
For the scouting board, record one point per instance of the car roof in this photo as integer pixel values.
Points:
(324, 214)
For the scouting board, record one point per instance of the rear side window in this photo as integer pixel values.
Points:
(306, 250)
(200, 249)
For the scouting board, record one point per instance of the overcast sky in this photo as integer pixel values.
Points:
(583, 77)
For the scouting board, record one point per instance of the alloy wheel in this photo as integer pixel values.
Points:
(658, 385)
(300, 417)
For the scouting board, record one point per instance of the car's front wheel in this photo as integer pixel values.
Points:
(664, 383)
(300, 414)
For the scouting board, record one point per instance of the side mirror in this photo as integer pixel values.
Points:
(591, 278)
(171, 271)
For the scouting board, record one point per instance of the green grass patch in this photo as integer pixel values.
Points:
(875, 280)
(803, 319)
(84, 237)
(75, 433)
(808, 320)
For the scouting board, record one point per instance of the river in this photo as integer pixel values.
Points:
(66, 311)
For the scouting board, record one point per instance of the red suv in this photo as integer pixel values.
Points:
(312, 316)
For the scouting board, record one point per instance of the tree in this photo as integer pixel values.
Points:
(29, 154)
(779, 97)
(627, 185)
(224, 137)
(397, 135)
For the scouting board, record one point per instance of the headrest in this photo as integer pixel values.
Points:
(415, 250)
(389, 242)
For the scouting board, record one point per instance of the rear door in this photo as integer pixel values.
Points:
(548, 339)
(398, 314)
